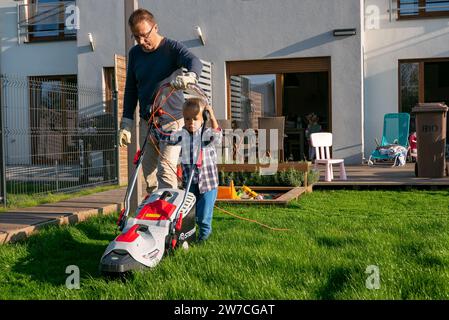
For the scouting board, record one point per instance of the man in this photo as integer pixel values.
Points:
(156, 60)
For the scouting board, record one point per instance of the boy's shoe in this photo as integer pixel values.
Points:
(202, 240)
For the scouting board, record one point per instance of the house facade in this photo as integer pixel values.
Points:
(347, 61)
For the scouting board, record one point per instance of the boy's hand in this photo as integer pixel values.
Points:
(209, 109)
(213, 120)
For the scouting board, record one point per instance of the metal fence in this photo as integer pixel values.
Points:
(57, 135)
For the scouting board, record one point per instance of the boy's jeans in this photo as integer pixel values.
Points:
(204, 210)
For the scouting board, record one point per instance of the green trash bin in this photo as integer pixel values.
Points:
(431, 139)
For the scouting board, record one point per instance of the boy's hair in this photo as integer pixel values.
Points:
(196, 104)
(140, 15)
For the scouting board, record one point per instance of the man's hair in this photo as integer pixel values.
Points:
(140, 15)
(196, 104)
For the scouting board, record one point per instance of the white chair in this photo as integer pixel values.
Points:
(322, 141)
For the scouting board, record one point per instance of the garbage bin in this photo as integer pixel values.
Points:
(431, 139)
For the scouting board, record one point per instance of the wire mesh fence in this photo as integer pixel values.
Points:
(57, 135)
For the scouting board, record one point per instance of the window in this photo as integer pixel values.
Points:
(409, 86)
(109, 84)
(412, 9)
(252, 96)
(53, 118)
(45, 20)
(291, 88)
(423, 80)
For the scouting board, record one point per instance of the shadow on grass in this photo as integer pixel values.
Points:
(337, 242)
(93, 232)
(422, 254)
(335, 283)
(53, 249)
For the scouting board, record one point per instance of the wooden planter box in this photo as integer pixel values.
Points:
(287, 194)
(282, 166)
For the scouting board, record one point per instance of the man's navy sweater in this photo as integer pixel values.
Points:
(147, 71)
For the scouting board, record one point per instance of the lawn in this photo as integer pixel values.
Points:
(334, 236)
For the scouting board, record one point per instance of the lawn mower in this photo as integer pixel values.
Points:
(164, 221)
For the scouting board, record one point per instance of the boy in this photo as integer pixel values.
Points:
(312, 127)
(205, 180)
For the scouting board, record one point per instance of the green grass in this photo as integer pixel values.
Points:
(334, 237)
(30, 200)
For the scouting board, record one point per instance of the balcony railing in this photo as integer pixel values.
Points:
(50, 21)
(415, 9)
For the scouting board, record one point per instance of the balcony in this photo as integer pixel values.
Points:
(418, 9)
(49, 20)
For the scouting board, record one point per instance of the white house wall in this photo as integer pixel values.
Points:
(392, 41)
(23, 60)
(266, 29)
(105, 20)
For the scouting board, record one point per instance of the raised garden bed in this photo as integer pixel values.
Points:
(290, 174)
(281, 195)
(290, 181)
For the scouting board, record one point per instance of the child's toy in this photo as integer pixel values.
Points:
(251, 193)
(227, 192)
(413, 146)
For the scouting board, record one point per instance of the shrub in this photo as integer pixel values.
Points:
(288, 178)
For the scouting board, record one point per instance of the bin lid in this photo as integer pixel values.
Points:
(430, 107)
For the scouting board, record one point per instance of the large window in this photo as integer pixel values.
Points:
(424, 80)
(45, 20)
(252, 96)
(53, 117)
(411, 9)
(289, 88)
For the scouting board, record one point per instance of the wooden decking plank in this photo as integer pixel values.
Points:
(48, 209)
(381, 175)
(13, 226)
(101, 207)
(295, 193)
(3, 236)
(91, 205)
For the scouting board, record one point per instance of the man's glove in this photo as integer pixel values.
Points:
(181, 82)
(124, 135)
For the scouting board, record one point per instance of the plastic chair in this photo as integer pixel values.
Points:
(226, 149)
(322, 141)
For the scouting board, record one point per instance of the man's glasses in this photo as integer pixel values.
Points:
(145, 36)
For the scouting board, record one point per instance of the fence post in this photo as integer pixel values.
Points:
(2, 149)
(57, 175)
(116, 143)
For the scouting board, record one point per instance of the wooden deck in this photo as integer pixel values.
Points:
(380, 175)
(17, 224)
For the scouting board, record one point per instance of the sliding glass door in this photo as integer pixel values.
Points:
(424, 80)
(289, 88)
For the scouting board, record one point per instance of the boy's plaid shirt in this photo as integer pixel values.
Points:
(207, 174)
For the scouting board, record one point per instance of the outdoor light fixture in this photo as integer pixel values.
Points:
(200, 35)
(91, 41)
(345, 32)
